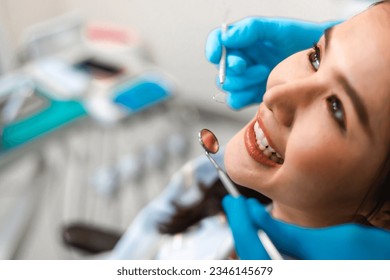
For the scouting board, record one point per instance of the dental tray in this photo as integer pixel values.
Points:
(142, 92)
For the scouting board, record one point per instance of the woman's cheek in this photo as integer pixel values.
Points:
(232, 160)
(320, 170)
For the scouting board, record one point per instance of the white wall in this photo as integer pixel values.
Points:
(175, 31)
(19, 14)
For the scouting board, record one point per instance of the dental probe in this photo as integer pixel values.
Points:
(222, 63)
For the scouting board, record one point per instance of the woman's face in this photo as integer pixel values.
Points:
(326, 115)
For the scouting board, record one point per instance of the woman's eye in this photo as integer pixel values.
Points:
(315, 57)
(337, 110)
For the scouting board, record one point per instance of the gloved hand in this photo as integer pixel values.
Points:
(247, 243)
(347, 241)
(254, 47)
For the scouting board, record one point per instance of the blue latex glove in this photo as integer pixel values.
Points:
(248, 245)
(347, 241)
(254, 47)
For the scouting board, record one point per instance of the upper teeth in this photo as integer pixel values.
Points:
(263, 144)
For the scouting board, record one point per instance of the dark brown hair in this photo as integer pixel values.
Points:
(210, 204)
(377, 199)
(379, 2)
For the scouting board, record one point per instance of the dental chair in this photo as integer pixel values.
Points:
(211, 239)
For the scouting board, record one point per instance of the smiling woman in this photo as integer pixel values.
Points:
(319, 144)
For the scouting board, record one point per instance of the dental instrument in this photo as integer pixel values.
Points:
(210, 144)
(222, 63)
(220, 96)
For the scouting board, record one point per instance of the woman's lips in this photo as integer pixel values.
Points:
(254, 150)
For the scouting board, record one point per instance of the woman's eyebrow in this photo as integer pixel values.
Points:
(357, 102)
(328, 35)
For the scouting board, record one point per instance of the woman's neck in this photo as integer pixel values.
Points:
(307, 218)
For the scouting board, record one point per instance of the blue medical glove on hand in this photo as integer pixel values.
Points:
(347, 241)
(247, 243)
(254, 47)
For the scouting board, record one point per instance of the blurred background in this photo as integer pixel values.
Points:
(101, 102)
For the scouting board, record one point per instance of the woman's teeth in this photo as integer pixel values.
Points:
(267, 150)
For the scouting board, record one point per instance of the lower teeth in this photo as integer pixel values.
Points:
(274, 158)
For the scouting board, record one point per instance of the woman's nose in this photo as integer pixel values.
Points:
(286, 99)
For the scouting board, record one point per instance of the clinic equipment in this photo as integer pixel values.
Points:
(210, 144)
(72, 74)
(31, 113)
(26, 112)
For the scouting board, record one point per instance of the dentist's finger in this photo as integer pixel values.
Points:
(251, 29)
(213, 50)
(254, 75)
(236, 64)
(242, 99)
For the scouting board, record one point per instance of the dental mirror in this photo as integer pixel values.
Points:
(208, 141)
(210, 144)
